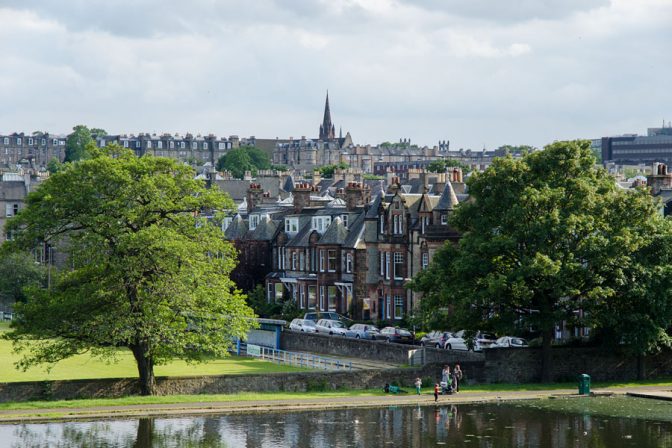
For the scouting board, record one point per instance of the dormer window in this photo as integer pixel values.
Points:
(254, 220)
(320, 223)
(159, 144)
(291, 225)
(194, 145)
(344, 219)
(205, 145)
(444, 219)
(226, 222)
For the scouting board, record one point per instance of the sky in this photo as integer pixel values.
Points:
(479, 73)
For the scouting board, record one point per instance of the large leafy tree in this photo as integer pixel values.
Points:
(245, 158)
(147, 272)
(550, 238)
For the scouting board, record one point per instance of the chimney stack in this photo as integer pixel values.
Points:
(356, 195)
(301, 195)
(254, 195)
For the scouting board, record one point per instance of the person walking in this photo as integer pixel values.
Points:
(436, 392)
(457, 377)
(418, 385)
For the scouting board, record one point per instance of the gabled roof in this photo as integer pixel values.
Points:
(448, 199)
(355, 231)
(372, 212)
(237, 229)
(335, 234)
(265, 230)
(288, 186)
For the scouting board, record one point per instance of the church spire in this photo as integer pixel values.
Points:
(327, 129)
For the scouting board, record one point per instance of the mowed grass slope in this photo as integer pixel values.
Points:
(87, 367)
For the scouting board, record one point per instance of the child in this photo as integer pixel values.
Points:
(436, 392)
(418, 385)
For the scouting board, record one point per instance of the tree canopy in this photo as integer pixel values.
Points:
(146, 270)
(245, 158)
(440, 165)
(77, 142)
(550, 238)
(19, 271)
(328, 170)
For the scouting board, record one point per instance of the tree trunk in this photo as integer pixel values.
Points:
(145, 433)
(145, 369)
(547, 338)
(640, 367)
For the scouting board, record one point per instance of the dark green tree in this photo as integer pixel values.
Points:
(78, 141)
(147, 273)
(53, 165)
(328, 170)
(19, 271)
(545, 236)
(246, 158)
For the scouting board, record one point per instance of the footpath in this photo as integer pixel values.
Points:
(301, 404)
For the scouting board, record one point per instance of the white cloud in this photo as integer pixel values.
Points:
(477, 72)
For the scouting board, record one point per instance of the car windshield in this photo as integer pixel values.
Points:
(338, 324)
(308, 323)
(403, 332)
(372, 328)
(518, 341)
(488, 336)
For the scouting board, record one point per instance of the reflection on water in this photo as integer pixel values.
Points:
(451, 426)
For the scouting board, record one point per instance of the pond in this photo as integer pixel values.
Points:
(477, 425)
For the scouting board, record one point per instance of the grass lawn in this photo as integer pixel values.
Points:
(170, 399)
(87, 367)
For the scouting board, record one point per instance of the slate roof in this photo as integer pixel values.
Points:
(448, 199)
(355, 231)
(265, 230)
(372, 212)
(288, 186)
(237, 229)
(335, 234)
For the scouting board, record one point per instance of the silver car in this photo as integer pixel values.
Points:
(304, 325)
(332, 327)
(365, 331)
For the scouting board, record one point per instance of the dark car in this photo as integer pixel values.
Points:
(435, 339)
(398, 335)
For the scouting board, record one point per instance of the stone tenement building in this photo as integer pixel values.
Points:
(37, 149)
(343, 246)
(193, 149)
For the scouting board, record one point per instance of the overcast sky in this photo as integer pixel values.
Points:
(475, 72)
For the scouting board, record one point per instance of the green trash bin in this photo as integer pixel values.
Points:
(584, 384)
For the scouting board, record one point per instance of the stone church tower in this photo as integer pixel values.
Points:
(327, 128)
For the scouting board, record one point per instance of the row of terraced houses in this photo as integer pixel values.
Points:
(344, 246)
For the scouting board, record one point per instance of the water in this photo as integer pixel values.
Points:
(499, 426)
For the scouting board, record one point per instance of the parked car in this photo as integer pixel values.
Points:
(365, 331)
(304, 325)
(435, 339)
(332, 327)
(398, 335)
(510, 341)
(480, 341)
(331, 315)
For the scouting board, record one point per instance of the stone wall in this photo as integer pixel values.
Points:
(373, 350)
(226, 384)
(511, 365)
